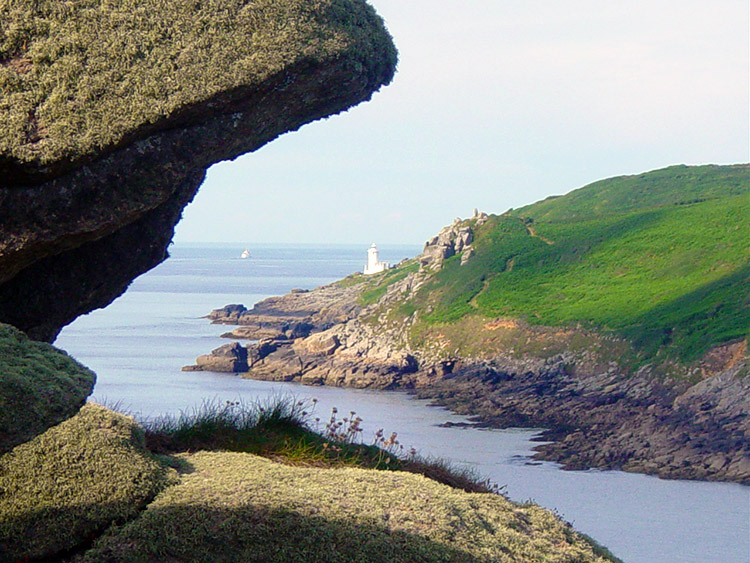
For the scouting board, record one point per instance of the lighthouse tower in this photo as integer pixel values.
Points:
(374, 265)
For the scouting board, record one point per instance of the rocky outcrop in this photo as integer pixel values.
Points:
(604, 420)
(229, 358)
(451, 240)
(40, 386)
(69, 484)
(111, 113)
(347, 355)
(109, 133)
(295, 315)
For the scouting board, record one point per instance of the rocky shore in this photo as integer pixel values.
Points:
(597, 413)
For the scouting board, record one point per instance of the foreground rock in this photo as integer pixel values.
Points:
(40, 386)
(88, 490)
(72, 482)
(109, 126)
(239, 507)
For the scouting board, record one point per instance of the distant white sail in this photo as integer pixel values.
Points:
(245, 254)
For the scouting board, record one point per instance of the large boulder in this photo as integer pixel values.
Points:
(112, 112)
(40, 386)
(67, 485)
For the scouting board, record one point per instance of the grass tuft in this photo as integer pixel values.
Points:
(285, 429)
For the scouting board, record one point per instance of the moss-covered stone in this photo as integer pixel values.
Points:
(240, 507)
(40, 386)
(113, 110)
(78, 77)
(62, 488)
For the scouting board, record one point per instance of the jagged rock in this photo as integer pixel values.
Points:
(451, 240)
(322, 344)
(227, 313)
(261, 349)
(40, 386)
(281, 365)
(107, 134)
(295, 315)
(604, 420)
(229, 358)
(479, 218)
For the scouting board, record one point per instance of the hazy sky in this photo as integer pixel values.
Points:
(496, 104)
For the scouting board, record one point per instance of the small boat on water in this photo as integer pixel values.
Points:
(245, 254)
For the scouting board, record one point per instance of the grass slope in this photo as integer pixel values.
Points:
(660, 258)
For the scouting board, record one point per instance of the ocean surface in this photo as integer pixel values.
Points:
(138, 344)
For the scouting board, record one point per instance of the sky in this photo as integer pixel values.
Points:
(495, 104)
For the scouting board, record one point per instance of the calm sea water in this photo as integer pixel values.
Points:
(138, 344)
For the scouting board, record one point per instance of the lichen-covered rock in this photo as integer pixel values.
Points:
(112, 112)
(451, 240)
(240, 507)
(40, 386)
(62, 488)
(294, 315)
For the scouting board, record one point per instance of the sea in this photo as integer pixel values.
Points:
(138, 344)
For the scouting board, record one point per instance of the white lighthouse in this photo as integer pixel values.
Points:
(374, 265)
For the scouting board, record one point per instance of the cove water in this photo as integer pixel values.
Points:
(138, 344)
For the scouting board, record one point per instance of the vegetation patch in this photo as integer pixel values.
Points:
(284, 430)
(68, 484)
(40, 386)
(660, 259)
(240, 507)
(380, 283)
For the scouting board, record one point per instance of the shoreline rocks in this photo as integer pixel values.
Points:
(596, 414)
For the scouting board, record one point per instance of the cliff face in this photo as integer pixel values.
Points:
(115, 111)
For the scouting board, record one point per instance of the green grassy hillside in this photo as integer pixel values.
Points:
(661, 258)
